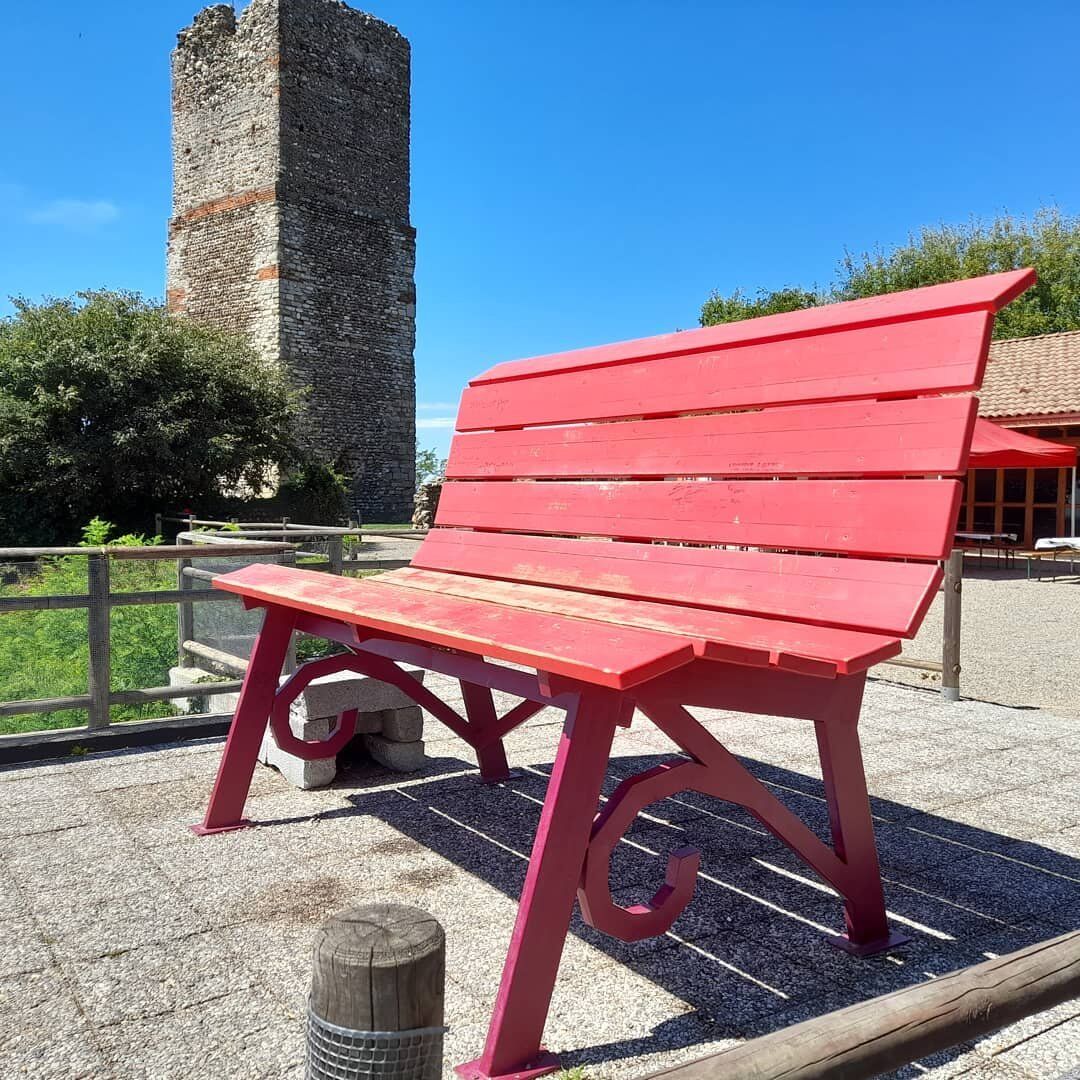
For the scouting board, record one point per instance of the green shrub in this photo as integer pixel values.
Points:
(1049, 241)
(108, 400)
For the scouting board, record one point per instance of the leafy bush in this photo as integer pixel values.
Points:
(429, 466)
(316, 491)
(107, 400)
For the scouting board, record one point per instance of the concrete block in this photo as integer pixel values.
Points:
(202, 681)
(405, 757)
(331, 694)
(403, 725)
(369, 723)
(300, 773)
(315, 710)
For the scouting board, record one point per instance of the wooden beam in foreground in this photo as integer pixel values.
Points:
(886, 1033)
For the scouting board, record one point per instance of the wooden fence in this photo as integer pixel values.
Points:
(229, 539)
(949, 666)
(99, 600)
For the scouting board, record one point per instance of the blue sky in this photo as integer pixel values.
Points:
(582, 172)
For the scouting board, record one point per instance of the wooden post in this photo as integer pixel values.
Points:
(335, 550)
(885, 1033)
(378, 968)
(950, 649)
(97, 622)
(159, 524)
(185, 612)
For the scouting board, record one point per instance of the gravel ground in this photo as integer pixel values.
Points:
(386, 548)
(135, 950)
(1019, 640)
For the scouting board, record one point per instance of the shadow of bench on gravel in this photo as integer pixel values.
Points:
(748, 954)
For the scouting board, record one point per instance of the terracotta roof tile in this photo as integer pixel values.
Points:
(1034, 376)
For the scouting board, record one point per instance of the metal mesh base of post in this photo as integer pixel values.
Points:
(336, 1053)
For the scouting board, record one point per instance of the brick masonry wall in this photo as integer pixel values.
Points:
(291, 219)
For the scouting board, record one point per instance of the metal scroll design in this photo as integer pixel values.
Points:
(714, 771)
(655, 916)
(290, 690)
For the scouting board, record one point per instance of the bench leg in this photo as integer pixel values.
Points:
(237, 767)
(547, 900)
(480, 710)
(853, 837)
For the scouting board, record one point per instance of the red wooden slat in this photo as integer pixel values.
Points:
(740, 639)
(606, 655)
(927, 435)
(887, 597)
(988, 293)
(894, 360)
(903, 518)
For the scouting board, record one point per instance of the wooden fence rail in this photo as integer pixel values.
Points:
(99, 600)
(885, 1033)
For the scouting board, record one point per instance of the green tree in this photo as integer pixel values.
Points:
(428, 464)
(723, 309)
(110, 405)
(1048, 241)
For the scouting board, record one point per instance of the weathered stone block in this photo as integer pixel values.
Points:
(405, 757)
(331, 694)
(403, 725)
(300, 773)
(202, 699)
(427, 504)
(315, 711)
(189, 676)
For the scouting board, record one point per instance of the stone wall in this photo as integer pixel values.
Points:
(291, 219)
(427, 504)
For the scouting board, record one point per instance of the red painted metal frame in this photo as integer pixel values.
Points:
(850, 866)
(604, 481)
(573, 845)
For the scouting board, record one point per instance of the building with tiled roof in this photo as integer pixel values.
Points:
(1033, 381)
(1031, 385)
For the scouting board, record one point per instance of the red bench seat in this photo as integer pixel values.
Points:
(603, 640)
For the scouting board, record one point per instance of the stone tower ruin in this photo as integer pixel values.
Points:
(291, 219)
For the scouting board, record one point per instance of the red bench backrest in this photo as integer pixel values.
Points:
(819, 432)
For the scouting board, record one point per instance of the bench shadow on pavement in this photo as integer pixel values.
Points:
(748, 955)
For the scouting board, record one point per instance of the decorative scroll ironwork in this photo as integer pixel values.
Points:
(849, 866)
(290, 690)
(657, 915)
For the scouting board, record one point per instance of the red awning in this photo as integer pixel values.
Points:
(994, 447)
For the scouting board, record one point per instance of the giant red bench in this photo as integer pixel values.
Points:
(742, 517)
